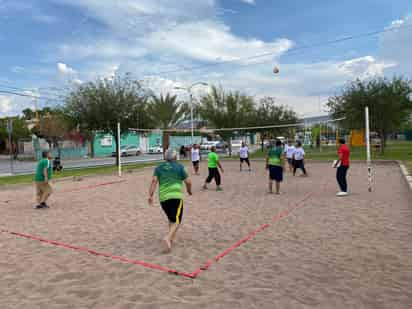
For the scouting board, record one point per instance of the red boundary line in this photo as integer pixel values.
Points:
(251, 235)
(93, 252)
(93, 186)
(192, 275)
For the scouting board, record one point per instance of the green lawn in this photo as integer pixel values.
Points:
(395, 150)
(25, 179)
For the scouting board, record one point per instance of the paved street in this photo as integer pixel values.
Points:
(28, 167)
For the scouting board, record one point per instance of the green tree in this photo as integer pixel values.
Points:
(100, 105)
(389, 103)
(20, 130)
(268, 114)
(226, 110)
(54, 125)
(166, 111)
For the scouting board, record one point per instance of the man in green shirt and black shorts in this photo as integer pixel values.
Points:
(170, 175)
(275, 165)
(42, 178)
(214, 165)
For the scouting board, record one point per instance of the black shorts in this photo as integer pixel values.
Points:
(276, 173)
(173, 209)
(244, 160)
(195, 163)
(290, 161)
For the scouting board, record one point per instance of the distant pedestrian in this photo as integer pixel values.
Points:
(275, 166)
(298, 159)
(183, 152)
(42, 179)
(342, 167)
(244, 156)
(214, 165)
(289, 151)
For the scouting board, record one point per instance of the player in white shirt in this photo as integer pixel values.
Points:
(244, 156)
(289, 151)
(196, 158)
(298, 159)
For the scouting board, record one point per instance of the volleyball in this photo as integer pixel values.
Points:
(275, 70)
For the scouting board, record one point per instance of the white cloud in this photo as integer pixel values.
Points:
(365, 67)
(64, 69)
(5, 105)
(396, 46)
(211, 41)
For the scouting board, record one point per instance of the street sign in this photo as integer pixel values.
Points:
(9, 126)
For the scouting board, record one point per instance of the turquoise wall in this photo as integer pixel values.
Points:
(130, 139)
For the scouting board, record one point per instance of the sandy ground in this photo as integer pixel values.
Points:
(354, 252)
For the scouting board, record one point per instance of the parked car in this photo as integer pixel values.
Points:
(156, 149)
(128, 150)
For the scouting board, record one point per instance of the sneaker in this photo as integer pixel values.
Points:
(219, 189)
(45, 205)
(39, 206)
(341, 194)
(204, 187)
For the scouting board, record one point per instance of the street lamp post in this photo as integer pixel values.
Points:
(189, 90)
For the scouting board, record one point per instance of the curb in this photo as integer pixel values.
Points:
(405, 173)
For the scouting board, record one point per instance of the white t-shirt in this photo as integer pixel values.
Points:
(244, 152)
(299, 153)
(289, 150)
(195, 155)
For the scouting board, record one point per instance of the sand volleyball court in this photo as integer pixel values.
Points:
(99, 245)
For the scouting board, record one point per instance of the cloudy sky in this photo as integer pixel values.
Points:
(48, 46)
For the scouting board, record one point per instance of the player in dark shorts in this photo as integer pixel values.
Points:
(170, 175)
(274, 163)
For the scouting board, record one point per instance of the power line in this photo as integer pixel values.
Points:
(28, 95)
(30, 90)
(291, 51)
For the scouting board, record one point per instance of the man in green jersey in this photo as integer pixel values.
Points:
(274, 163)
(170, 175)
(42, 178)
(214, 165)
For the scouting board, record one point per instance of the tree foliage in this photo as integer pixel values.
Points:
(166, 111)
(100, 105)
(389, 103)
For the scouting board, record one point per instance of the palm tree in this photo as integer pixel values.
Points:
(166, 111)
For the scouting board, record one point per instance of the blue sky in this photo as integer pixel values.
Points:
(48, 46)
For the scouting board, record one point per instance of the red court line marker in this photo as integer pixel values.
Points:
(251, 235)
(107, 255)
(93, 186)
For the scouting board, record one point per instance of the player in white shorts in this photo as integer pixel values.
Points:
(244, 156)
(289, 151)
(196, 158)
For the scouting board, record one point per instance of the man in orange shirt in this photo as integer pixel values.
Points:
(343, 166)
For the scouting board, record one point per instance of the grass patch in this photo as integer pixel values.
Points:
(89, 171)
(395, 150)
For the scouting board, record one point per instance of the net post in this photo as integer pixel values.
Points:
(368, 149)
(119, 150)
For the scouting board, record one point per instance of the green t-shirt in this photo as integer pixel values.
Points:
(170, 176)
(275, 156)
(212, 159)
(43, 163)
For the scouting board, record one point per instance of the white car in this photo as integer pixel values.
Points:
(128, 150)
(156, 149)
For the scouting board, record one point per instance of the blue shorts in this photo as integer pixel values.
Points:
(276, 173)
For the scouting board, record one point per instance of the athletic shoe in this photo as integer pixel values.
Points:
(204, 187)
(341, 194)
(219, 189)
(45, 205)
(40, 206)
